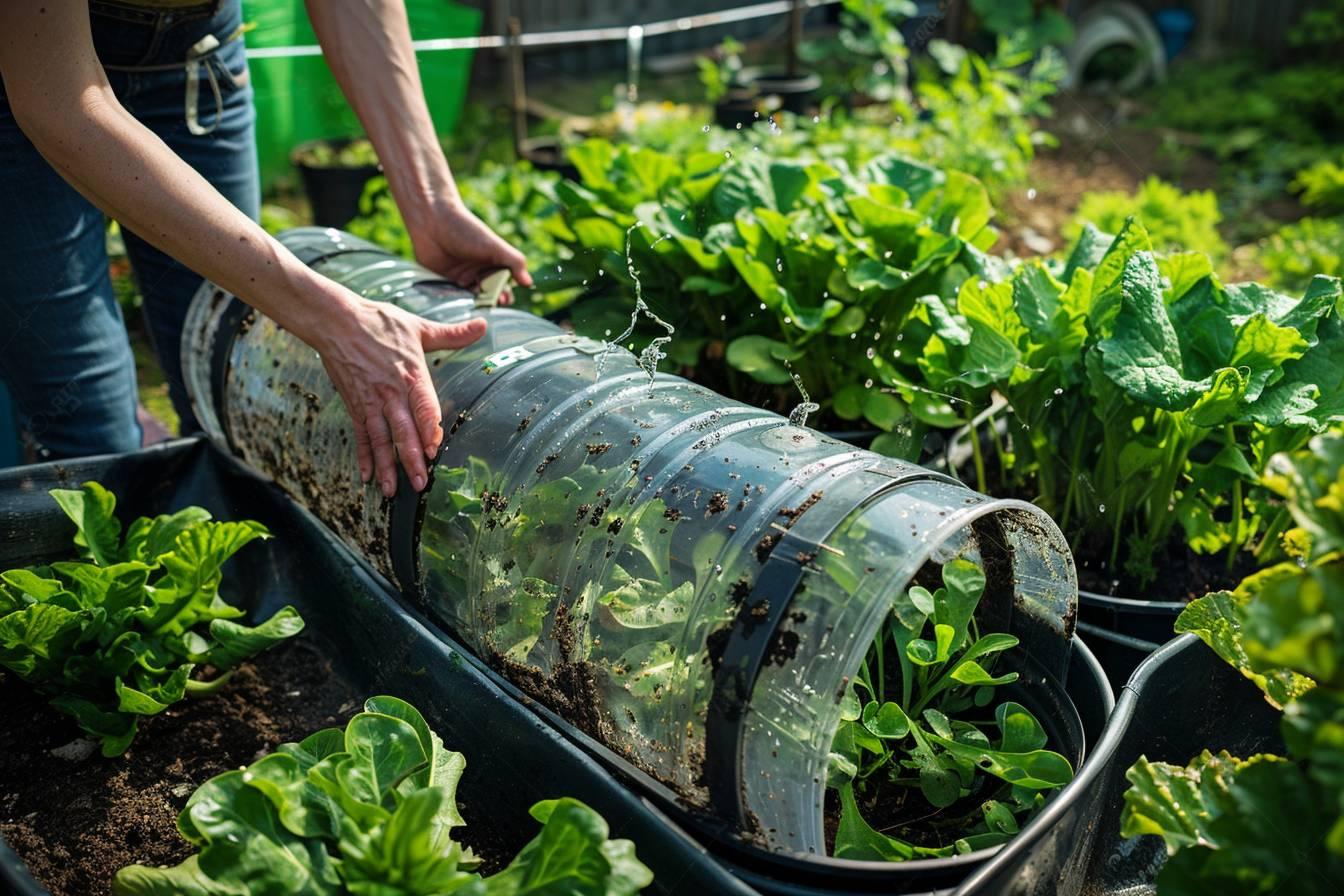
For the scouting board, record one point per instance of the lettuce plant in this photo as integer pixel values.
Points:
(1267, 823)
(769, 268)
(1143, 396)
(118, 634)
(914, 732)
(1175, 220)
(371, 810)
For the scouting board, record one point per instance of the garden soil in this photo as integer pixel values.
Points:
(75, 822)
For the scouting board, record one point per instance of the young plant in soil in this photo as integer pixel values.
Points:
(118, 634)
(1266, 823)
(1144, 398)
(928, 760)
(371, 810)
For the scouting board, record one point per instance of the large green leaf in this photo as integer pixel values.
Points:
(92, 509)
(1217, 619)
(1143, 357)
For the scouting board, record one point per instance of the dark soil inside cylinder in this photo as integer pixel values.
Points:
(1182, 575)
(75, 822)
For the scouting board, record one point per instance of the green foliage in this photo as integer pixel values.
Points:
(1268, 824)
(1263, 122)
(371, 810)
(719, 72)
(1028, 23)
(357, 153)
(1174, 220)
(1299, 251)
(1143, 393)
(1322, 185)
(769, 267)
(117, 635)
(912, 724)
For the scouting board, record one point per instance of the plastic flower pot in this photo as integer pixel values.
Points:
(794, 92)
(372, 638)
(548, 154)
(739, 108)
(568, 470)
(333, 186)
(1124, 631)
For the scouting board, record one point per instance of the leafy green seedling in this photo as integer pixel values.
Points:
(117, 635)
(915, 731)
(371, 810)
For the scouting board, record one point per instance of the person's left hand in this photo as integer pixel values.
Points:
(451, 241)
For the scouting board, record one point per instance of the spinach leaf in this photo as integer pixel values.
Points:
(372, 810)
(118, 635)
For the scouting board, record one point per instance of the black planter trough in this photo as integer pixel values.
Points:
(373, 639)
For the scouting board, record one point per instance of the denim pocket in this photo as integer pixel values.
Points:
(229, 64)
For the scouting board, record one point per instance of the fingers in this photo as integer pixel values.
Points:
(380, 442)
(437, 337)
(428, 413)
(407, 439)
(517, 265)
(363, 451)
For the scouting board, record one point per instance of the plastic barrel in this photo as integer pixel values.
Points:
(572, 486)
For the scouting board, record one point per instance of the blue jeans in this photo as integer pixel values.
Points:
(63, 348)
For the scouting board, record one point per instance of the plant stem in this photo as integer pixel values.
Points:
(196, 688)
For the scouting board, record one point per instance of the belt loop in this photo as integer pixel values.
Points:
(197, 57)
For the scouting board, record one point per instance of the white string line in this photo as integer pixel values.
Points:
(577, 36)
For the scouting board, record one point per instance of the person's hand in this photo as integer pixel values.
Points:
(375, 355)
(454, 243)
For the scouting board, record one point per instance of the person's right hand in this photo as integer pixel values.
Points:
(375, 355)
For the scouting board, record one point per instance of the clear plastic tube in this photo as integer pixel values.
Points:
(691, 581)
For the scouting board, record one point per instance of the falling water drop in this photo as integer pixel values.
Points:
(871, 353)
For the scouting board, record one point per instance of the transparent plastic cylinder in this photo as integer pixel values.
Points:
(688, 580)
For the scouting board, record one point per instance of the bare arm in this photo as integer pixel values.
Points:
(367, 43)
(373, 352)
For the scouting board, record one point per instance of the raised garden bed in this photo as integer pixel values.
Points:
(373, 644)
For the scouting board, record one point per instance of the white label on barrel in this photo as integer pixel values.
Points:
(504, 358)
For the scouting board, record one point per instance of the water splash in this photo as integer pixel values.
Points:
(798, 416)
(653, 352)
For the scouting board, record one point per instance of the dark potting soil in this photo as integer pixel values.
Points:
(1182, 575)
(75, 822)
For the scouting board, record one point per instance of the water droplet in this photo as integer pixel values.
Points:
(871, 353)
(727, 153)
(779, 264)
(867, 384)
(1059, 391)
(1031, 193)
(762, 306)
(816, 119)
(739, 125)
(853, 335)
(607, 333)
(1101, 508)
(895, 353)
(788, 320)
(705, 129)
(723, 317)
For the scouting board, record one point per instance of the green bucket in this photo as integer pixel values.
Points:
(297, 98)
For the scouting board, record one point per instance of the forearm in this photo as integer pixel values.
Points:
(129, 173)
(367, 44)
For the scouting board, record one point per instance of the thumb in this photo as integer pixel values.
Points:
(438, 337)
(517, 265)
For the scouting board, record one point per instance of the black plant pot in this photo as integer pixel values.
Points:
(739, 108)
(373, 640)
(1181, 700)
(795, 92)
(548, 154)
(1123, 632)
(333, 192)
